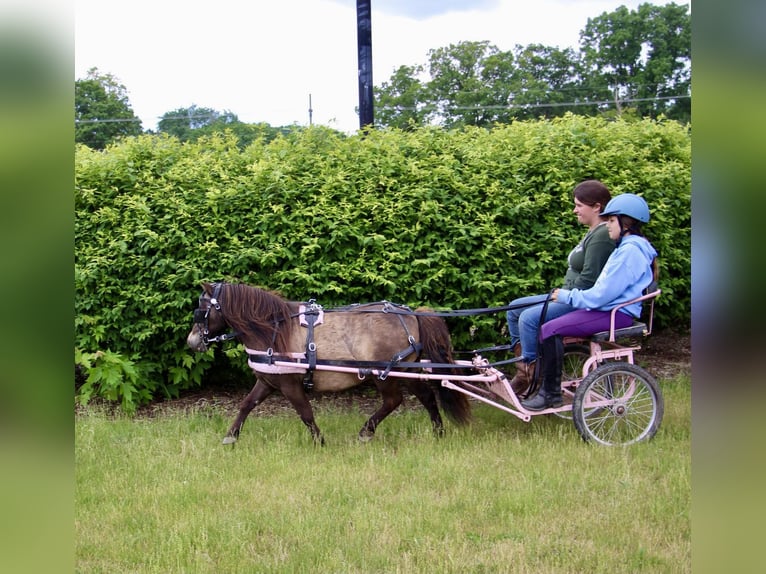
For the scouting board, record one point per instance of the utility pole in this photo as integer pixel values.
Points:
(364, 48)
(311, 111)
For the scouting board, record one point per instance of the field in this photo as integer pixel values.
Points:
(159, 493)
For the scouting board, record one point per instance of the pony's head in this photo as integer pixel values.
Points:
(261, 319)
(209, 322)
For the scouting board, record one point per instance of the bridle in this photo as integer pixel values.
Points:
(201, 317)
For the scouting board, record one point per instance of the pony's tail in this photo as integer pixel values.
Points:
(437, 347)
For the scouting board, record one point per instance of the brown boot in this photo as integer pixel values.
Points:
(524, 378)
(517, 364)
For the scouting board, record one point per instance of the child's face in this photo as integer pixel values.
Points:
(613, 227)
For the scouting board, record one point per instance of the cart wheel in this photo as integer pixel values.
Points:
(618, 403)
(575, 356)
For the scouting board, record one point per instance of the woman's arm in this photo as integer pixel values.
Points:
(616, 277)
(597, 251)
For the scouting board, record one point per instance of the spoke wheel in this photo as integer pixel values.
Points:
(618, 403)
(575, 356)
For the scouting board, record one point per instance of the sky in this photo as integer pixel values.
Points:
(266, 61)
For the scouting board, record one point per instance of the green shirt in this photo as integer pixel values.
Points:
(588, 258)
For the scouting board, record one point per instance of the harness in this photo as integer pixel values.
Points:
(201, 317)
(307, 362)
(311, 315)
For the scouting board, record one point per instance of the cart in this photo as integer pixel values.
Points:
(612, 400)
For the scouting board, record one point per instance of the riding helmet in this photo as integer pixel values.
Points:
(628, 204)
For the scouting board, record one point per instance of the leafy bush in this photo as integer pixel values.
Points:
(112, 377)
(452, 220)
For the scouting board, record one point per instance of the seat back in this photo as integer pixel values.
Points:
(638, 328)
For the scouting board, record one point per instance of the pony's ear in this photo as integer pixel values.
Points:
(207, 287)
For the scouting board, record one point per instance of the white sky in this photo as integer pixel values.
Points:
(261, 59)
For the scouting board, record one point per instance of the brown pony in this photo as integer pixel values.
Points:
(367, 337)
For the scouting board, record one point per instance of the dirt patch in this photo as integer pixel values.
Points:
(665, 354)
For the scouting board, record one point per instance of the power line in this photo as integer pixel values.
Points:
(463, 108)
(178, 118)
(562, 104)
(548, 105)
(106, 121)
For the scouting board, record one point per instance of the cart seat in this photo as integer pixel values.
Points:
(638, 328)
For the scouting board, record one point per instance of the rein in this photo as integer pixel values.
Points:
(398, 309)
(307, 362)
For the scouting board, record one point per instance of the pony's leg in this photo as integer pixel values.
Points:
(294, 393)
(425, 394)
(255, 397)
(392, 398)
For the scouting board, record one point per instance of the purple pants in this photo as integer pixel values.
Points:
(584, 323)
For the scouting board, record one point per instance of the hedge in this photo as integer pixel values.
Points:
(453, 220)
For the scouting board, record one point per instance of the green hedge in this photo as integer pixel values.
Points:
(453, 220)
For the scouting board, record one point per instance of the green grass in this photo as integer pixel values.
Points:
(163, 495)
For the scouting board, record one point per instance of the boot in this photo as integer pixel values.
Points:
(552, 362)
(524, 378)
(525, 373)
(516, 355)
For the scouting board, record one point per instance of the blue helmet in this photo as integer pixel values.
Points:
(628, 204)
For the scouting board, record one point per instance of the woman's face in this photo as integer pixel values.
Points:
(613, 227)
(587, 214)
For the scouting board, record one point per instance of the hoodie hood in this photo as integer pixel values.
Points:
(643, 245)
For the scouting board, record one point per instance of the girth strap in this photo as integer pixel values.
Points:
(310, 315)
(414, 347)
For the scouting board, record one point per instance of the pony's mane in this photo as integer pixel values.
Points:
(257, 312)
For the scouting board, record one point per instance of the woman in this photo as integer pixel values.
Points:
(629, 270)
(585, 263)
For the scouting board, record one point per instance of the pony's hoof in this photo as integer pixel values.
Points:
(366, 436)
(229, 440)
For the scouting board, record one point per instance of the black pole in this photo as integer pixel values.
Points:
(364, 47)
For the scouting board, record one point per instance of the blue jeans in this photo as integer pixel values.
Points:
(524, 321)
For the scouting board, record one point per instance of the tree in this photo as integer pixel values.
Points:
(546, 82)
(474, 83)
(667, 70)
(189, 123)
(637, 61)
(641, 58)
(498, 73)
(102, 110)
(403, 101)
(462, 89)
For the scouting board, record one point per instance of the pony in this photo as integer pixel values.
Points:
(295, 348)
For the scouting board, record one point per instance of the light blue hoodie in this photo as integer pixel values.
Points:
(627, 272)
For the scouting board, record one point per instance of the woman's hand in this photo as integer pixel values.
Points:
(555, 295)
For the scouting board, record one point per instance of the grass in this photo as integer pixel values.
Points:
(163, 495)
